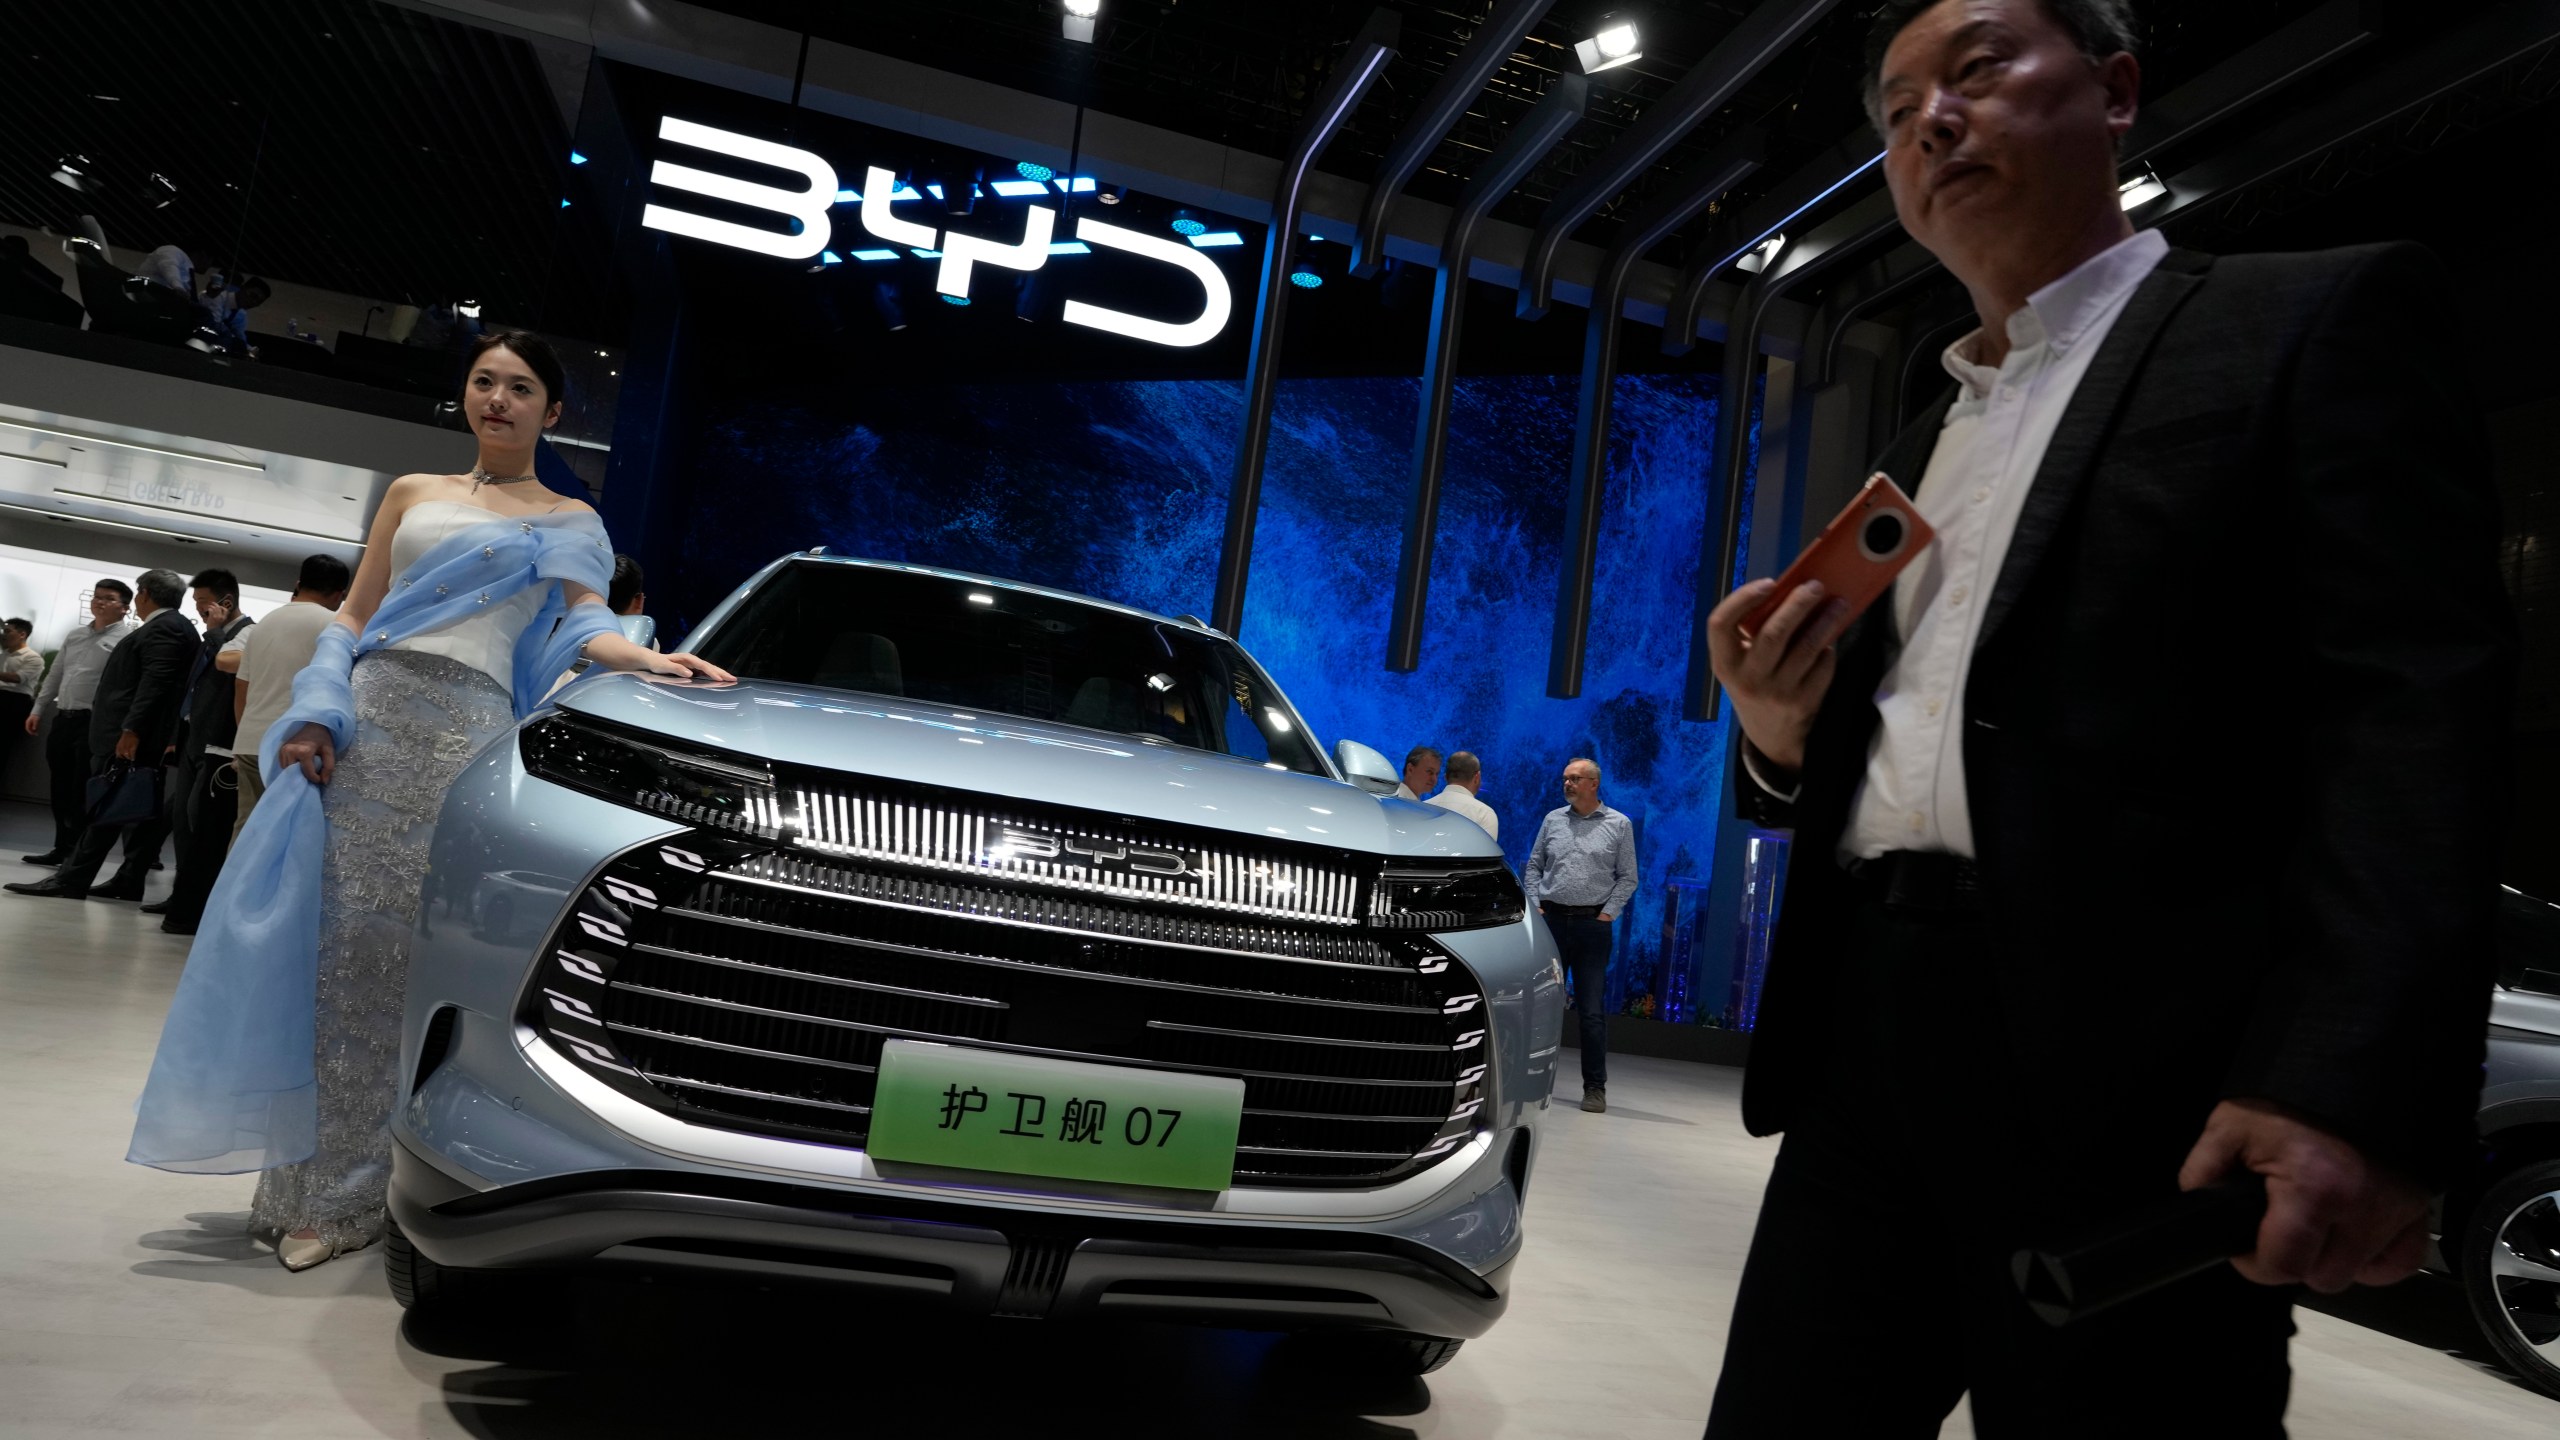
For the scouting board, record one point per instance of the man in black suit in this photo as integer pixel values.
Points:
(2146, 831)
(135, 719)
(203, 801)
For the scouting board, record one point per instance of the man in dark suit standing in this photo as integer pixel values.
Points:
(135, 719)
(2146, 831)
(203, 800)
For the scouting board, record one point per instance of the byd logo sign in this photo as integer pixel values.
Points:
(961, 254)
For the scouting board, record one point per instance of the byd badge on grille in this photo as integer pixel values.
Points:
(1029, 1115)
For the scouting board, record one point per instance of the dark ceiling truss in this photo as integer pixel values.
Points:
(1459, 84)
(1763, 35)
(1526, 144)
(2528, 79)
(404, 156)
(1711, 178)
(1361, 63)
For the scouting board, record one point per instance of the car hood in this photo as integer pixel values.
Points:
(1032, 760)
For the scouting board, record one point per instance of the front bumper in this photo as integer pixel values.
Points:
(958, 1257)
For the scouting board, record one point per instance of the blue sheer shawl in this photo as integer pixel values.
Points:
(232, 1086)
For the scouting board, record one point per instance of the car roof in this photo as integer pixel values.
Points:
(997, 583)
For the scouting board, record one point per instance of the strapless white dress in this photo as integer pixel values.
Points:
(486, 641)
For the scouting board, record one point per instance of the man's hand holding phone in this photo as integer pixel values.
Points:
(1770, 642)
(1777, 678)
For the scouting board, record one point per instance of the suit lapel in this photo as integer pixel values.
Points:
(2086, 423)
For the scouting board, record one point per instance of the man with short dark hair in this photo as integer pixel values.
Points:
(202, 799)
(1421, 772)
(63, 703)
(264, 662)
(134, 722)
(628, 598)
(1581, 874)
(2146, 831)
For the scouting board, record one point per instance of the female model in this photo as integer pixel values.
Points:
(475, 592)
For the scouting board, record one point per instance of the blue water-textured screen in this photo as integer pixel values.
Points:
(1119, 489)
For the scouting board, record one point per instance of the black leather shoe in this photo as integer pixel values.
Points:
(156, 907)
(51, 888)
(50, 857)
(118, 889)
(175, 926)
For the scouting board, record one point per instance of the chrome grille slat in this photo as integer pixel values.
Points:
(951, 838)
(1290, 1039)
(743, 1092)
(761, 1054)
(1100, 976)
(873, 986)
(1388, 1156)
(750, 878)
(1014, 1049)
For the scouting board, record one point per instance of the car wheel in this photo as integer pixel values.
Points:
(1389, 1353)
(2510, 1269)
(417, 1282)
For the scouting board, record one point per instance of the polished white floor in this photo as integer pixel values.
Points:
(129, 1302)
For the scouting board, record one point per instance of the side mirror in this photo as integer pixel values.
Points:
(1366, 768)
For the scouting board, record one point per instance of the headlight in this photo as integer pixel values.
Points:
(1443, 898)
(615, 765)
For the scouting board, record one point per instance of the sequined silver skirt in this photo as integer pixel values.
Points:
(419, 720)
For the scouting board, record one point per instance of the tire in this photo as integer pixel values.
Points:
(2510, 1271)
(1388, 1353)
(417, 1282)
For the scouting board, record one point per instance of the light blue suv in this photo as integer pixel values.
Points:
(984, 947)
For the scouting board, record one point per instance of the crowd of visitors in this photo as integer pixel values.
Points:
(140, 691)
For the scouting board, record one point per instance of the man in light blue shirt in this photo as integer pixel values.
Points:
(1581, 874)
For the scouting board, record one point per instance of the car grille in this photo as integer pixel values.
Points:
(741, 985)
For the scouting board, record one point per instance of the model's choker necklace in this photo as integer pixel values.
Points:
(480, 477)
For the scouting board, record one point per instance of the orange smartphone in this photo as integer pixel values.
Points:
(1857, 555)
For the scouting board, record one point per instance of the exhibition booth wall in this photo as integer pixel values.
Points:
(1119, 489)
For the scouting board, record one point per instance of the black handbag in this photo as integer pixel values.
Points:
(124, 794)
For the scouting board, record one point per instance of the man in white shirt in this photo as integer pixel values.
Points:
(1466, 777)
(2147, 832)
(265, 660)
(61, 712)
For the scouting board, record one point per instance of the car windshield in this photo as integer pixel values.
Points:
(973, 647)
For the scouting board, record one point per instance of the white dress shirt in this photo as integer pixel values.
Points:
(1975, 487)
(1461, 800)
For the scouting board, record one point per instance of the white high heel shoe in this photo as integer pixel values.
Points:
(304, 1249)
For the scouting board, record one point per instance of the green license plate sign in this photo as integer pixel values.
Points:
(1030, 1115)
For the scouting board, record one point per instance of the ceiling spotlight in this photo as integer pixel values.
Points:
(1304, 276)
(825, 259)
(1757, 258)
(1186, 223)
(1613, 45)
(1078, 22)
(72, 171)
(1113, 194)
(884, 299)
(1033, 170)
(2145, 187)
(467, 309)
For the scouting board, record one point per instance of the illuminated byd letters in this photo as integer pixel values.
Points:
(808, 207)
(960, 254)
